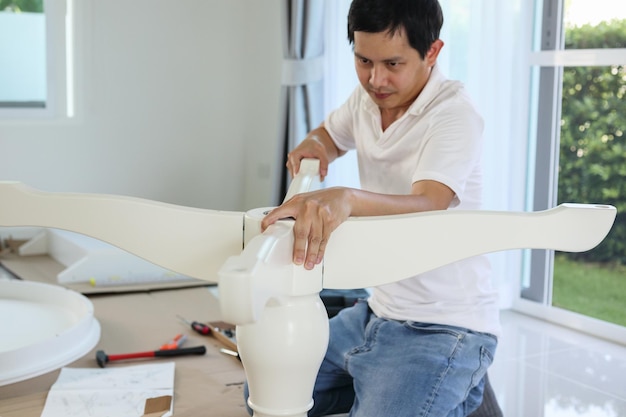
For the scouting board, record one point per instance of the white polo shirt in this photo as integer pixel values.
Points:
(438, 138)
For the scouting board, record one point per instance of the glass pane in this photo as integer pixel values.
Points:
(22, 53)
(593, 18)
(592, 169)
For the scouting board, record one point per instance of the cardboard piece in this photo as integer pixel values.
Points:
(225, 333)
(12, 245)
(157, 407)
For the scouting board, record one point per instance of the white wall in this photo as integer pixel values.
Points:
(175, 101)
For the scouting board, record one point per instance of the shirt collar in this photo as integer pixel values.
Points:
(429, 92)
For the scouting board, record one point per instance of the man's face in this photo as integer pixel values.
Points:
(392, 72)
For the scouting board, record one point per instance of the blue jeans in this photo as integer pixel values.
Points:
(376, 367)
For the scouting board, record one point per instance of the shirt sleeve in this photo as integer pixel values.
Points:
(340, 122)
(453, 150)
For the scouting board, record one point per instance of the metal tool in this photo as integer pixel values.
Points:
(222, 331)
(175, 343)
(198, 327)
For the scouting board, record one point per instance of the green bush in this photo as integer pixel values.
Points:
(33, 6)
(592, 164)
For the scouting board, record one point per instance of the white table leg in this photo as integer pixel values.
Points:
(282, 353)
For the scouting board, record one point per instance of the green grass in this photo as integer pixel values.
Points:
(594, 290)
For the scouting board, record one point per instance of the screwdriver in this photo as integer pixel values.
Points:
(197, 326)
(226, 336)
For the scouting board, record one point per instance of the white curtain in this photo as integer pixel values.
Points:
(302, 76)
(487, 45)
(339, 82)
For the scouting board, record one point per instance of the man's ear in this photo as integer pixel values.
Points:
(433, 52)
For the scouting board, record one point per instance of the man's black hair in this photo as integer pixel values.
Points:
(422, 20)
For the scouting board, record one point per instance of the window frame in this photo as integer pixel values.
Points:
(58, 41)
(547, 63)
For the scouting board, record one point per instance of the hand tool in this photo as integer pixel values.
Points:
(175, 343)
(231, 353)
(222, 331)
(103, 358)
(198, 327)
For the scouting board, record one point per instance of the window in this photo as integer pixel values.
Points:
(23, 57)
(34, 58)
(577, 129)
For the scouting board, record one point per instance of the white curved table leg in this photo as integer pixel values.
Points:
(282, 353)
(190, 241)
(425, 241)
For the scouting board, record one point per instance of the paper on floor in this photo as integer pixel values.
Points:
(119, 391)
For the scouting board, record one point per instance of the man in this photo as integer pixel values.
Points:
(421, 346)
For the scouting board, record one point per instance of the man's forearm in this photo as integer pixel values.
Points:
(322, 136)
